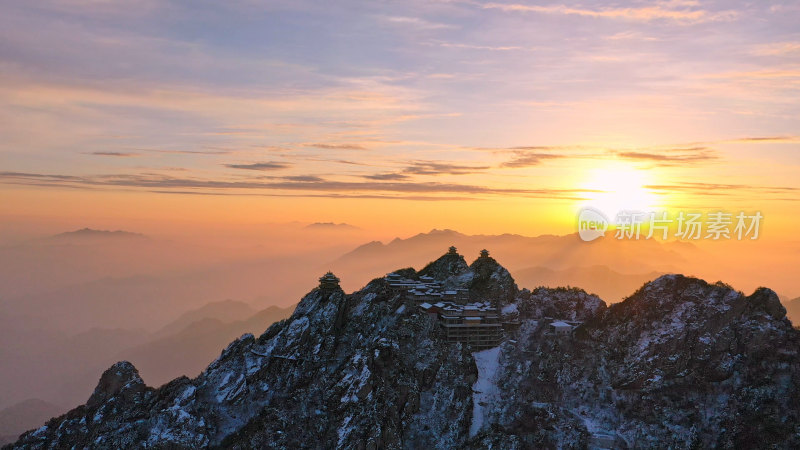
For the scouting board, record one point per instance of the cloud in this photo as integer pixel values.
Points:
(192, 152)
(762, 74)
(271, 165)
(684, 13)
(416, 22)
(337, 146)
(441, 168)
(165, 183)
(117, 154)
(670, 157)
(766, 139)
(529, 156)
(386, 176)
(716, 189)
(303, 178)
(777, 49)
(422, 198)
(498, 48)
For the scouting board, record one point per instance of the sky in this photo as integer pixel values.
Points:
(398, 117)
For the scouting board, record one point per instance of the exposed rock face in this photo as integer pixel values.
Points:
(491, 281)
(680, 363)
(561, 303)
(449, 265)
(121, 379)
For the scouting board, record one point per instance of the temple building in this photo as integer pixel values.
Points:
(484, 253)
(329, 282)
(477, 324)
(425, 289)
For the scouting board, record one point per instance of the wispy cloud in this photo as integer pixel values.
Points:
(337, 146)
(716, 189)
(777, 48)
(271, 165)
(762, 74)
(168, 183)
(672, 156)
(416, 22)
(191, 152)
(497, 48)
(787, 139)
(303, 178)
(529, 156)
(682, 12)
(390, 176)
(115, 154)
(442, 168)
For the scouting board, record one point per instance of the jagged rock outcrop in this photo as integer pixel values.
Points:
(491, 281)
(561, 303)
(680, 363)
(450, 267)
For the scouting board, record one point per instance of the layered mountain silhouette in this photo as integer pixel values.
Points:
(62, 368)
(793, 310)
(679, 363)
(89, 233)
(24, 415)
(609, 267)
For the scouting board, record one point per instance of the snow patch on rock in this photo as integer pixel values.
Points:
(487, 361)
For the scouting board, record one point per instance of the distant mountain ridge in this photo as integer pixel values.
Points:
(89, 233)
(601, 280)
(23, 415)
(224, 311)
(332, 226)
(793, 310)
(569, 260)
(184, 346)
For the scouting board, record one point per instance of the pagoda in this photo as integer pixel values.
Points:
(329, 282)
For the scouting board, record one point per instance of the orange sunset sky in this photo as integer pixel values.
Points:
(485, 117)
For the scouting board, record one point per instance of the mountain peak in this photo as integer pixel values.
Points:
(89, 233)
(121, 379)
(767, 300)
(448, 265)
(491, 281)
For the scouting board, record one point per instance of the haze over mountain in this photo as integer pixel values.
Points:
(332, 226)
(22, 416)
(189, 350)
(538, 261)
(60, 368)
(88, 234)
(606, 283)
(223, 311)
(81, 304)
(598, 266)
(793, 310)
(680, 362)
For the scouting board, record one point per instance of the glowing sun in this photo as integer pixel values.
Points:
(618, 187)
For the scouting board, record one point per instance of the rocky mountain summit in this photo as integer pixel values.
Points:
(679, 364)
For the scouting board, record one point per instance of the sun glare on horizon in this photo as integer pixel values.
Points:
(619, 187)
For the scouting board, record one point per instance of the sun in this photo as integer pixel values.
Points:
(619, 187)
